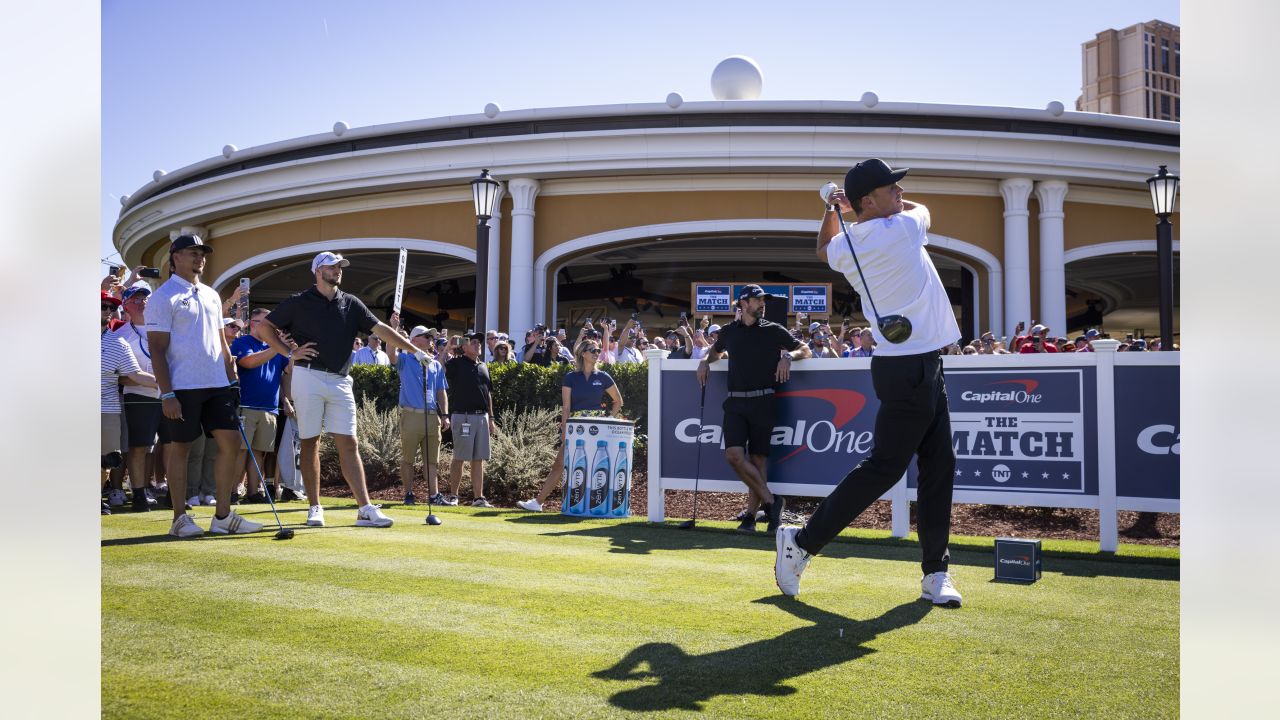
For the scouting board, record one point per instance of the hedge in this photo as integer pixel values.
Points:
(515, 386)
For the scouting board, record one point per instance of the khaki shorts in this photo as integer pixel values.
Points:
(420, 431)
(470, 436)
(260, 428)
(111, 433)
(323, 401)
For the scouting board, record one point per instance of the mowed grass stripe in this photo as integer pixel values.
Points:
(503, 615)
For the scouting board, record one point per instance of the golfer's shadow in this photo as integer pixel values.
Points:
(761, 668)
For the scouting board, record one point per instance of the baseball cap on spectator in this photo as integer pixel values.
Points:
(1140, 343)
(420, 330)
(142, 289)
(1082, 338)
(1091, 334)
(182, 242)
(232, 321)
(814, 326)
(713, 329)
(1037, 329)
(327, 258)
(109, 298)
(474, 336)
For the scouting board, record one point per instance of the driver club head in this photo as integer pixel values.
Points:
(284, 534)
(895, 328)
(433, 520)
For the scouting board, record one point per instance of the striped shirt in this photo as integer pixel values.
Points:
(137, 339)
(117, 360)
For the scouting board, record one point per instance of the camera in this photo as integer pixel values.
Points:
(153, 273)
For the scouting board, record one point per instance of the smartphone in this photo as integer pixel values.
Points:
(116, 270)
(635, 316)
(149, 273)
(244, 285)
(684, 316)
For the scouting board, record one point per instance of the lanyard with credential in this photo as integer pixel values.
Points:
(142, 342)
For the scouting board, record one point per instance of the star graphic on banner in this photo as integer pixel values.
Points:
(959, 473)
(1066, 476)
(977, 473)
(1026, 474)
(1044, 476)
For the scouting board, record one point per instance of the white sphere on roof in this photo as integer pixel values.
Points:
(1055, 108)
(737, 77)
(158, 174)
(870, 99)
(340, 127)
(491, 110)
(124, 200)
(228, 151)
(674, 100)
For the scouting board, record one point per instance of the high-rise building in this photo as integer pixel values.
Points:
(1134, 71)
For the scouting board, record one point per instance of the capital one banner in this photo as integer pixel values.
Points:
(1014, 430)
(1148, 443)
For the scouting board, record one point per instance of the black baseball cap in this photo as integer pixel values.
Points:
(753, 291)
(182, 242)
(868, 175)
(474, 336)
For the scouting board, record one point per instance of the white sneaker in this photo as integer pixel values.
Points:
(185, 527)
(790, 562)
(209, 500)
(450, 500)
(233, 524)
(194, 501)
(481, 503)
(115, 498)
(371, 516)
(938, 588)
(530, 505)
(315, 516)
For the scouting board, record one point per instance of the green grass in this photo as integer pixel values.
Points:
(506, 614)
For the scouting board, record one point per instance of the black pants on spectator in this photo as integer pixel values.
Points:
(913, 420)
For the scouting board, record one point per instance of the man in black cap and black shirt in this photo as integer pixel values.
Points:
(760, 357)
(471, 401)
(324, 321)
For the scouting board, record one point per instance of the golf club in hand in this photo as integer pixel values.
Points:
(284, 532)
(895, 328)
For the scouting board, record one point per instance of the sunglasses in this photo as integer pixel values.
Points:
(593, 351)
(106, 307)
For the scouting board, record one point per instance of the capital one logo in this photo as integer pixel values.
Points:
(1024, 394)
(819, 436)
(1160, 440)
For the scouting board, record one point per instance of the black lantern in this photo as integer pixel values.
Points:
(484, 190)
(1164, 198)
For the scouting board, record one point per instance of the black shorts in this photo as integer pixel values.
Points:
(142, 419)
(748, 423)
(203, 411)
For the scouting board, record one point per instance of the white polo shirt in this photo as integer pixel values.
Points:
(903, 279)
(192, 315)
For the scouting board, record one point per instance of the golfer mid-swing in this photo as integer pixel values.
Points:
(760, 356)
(913, 420)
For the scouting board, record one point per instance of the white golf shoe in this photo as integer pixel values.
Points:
(185, 527)
(233, 524)
(115, 498)
(530, 505)
(315, 516)
(937, 587)
(371, 516)
(790, 562)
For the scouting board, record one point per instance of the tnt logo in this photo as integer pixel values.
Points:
(1001, 473)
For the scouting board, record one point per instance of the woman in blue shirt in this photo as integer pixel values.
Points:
(582, 394)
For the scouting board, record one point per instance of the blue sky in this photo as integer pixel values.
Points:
(182, 79)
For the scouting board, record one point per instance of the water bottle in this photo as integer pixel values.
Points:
(578, 481)
(621, 483)
(598, 500)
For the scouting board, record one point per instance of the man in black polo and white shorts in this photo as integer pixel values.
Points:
(913, 419)
(324, 322)
(760, 357)
(197, 378)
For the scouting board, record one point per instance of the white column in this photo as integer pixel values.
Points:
(1017, 253)
(1053, 276)
(495, 262)
(1104, 354)
(521, 309)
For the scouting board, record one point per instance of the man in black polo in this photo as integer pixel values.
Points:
(324, 321)
(471, 399)
(760, 357)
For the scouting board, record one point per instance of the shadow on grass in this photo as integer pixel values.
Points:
(641, 537)
(687, 681)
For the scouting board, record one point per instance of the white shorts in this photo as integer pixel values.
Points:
(324, 402)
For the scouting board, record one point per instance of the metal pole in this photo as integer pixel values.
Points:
(482, 275)
(1164, 258)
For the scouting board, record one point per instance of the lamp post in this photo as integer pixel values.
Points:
(1164, 196)
(484, 190)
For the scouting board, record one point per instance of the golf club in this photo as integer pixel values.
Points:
(431, 513)
(284, 533)
(697, 465)
(895, 328)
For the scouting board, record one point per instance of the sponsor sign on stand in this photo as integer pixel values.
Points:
(812, 299)
(712, 299)
(1015, 431)
(1148, 440)
(1025, 431)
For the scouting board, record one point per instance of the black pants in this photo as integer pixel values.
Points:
(913, 420)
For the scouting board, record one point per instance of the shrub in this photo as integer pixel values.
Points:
(522, 453)
(378, 437)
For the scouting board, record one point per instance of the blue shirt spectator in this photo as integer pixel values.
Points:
(259, 386)
(587, 393)
(411, 382)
